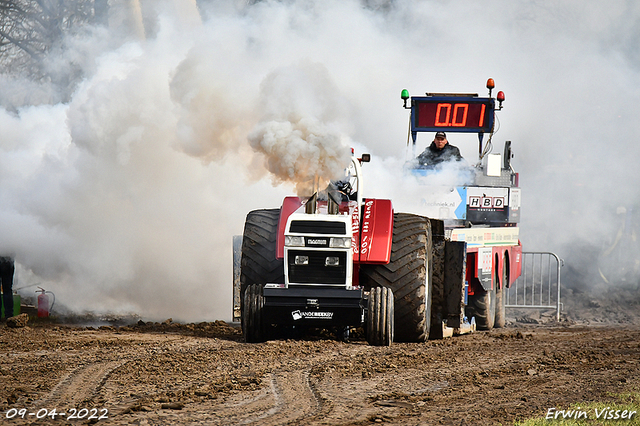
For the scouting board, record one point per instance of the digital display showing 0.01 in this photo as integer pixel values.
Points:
(455, 114)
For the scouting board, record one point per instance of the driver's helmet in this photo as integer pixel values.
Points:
(343, 186)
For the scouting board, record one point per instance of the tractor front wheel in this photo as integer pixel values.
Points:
(253, 326)
(380, 320)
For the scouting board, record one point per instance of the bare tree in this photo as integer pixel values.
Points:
(33, 30)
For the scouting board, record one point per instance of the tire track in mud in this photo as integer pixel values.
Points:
(295, 399)
(79, 385)
(289, 398)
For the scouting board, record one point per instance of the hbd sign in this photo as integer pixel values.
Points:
(485, 202)
(487, 199)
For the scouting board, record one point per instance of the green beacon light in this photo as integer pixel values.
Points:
(404, 95)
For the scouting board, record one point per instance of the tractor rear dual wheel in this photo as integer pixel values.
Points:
(380, 317)
(258, 266)
(408, 275)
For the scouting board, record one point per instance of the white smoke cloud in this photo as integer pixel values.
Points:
(126, 197)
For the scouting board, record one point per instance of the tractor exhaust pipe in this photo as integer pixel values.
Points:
(311, 204)
(333, 204)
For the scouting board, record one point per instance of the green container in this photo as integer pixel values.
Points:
(16, 306)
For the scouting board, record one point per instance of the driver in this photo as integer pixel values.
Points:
(343, 187)
(439, 151)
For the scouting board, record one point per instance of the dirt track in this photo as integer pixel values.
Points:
(160, 374)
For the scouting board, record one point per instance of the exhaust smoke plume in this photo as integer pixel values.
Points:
(126, 197)
(299, 131)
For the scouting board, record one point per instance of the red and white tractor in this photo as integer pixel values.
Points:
(340, 259)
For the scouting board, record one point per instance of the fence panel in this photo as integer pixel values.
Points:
(538, 286)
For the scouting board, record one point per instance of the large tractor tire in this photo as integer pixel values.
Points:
(500, 319)
(253, 326)
(408, 275)
(482, 305)
(258, 264)
(380, 319)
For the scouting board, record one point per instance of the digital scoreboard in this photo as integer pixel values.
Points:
(452, 113)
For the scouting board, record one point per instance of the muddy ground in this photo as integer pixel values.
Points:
(169, 373)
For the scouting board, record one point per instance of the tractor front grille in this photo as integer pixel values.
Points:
(318, 227)
(316, 271)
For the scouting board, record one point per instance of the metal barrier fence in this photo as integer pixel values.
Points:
(538, 286)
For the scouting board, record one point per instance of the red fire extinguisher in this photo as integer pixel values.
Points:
(43, 303)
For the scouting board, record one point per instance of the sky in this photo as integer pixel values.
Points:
(125, 198)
